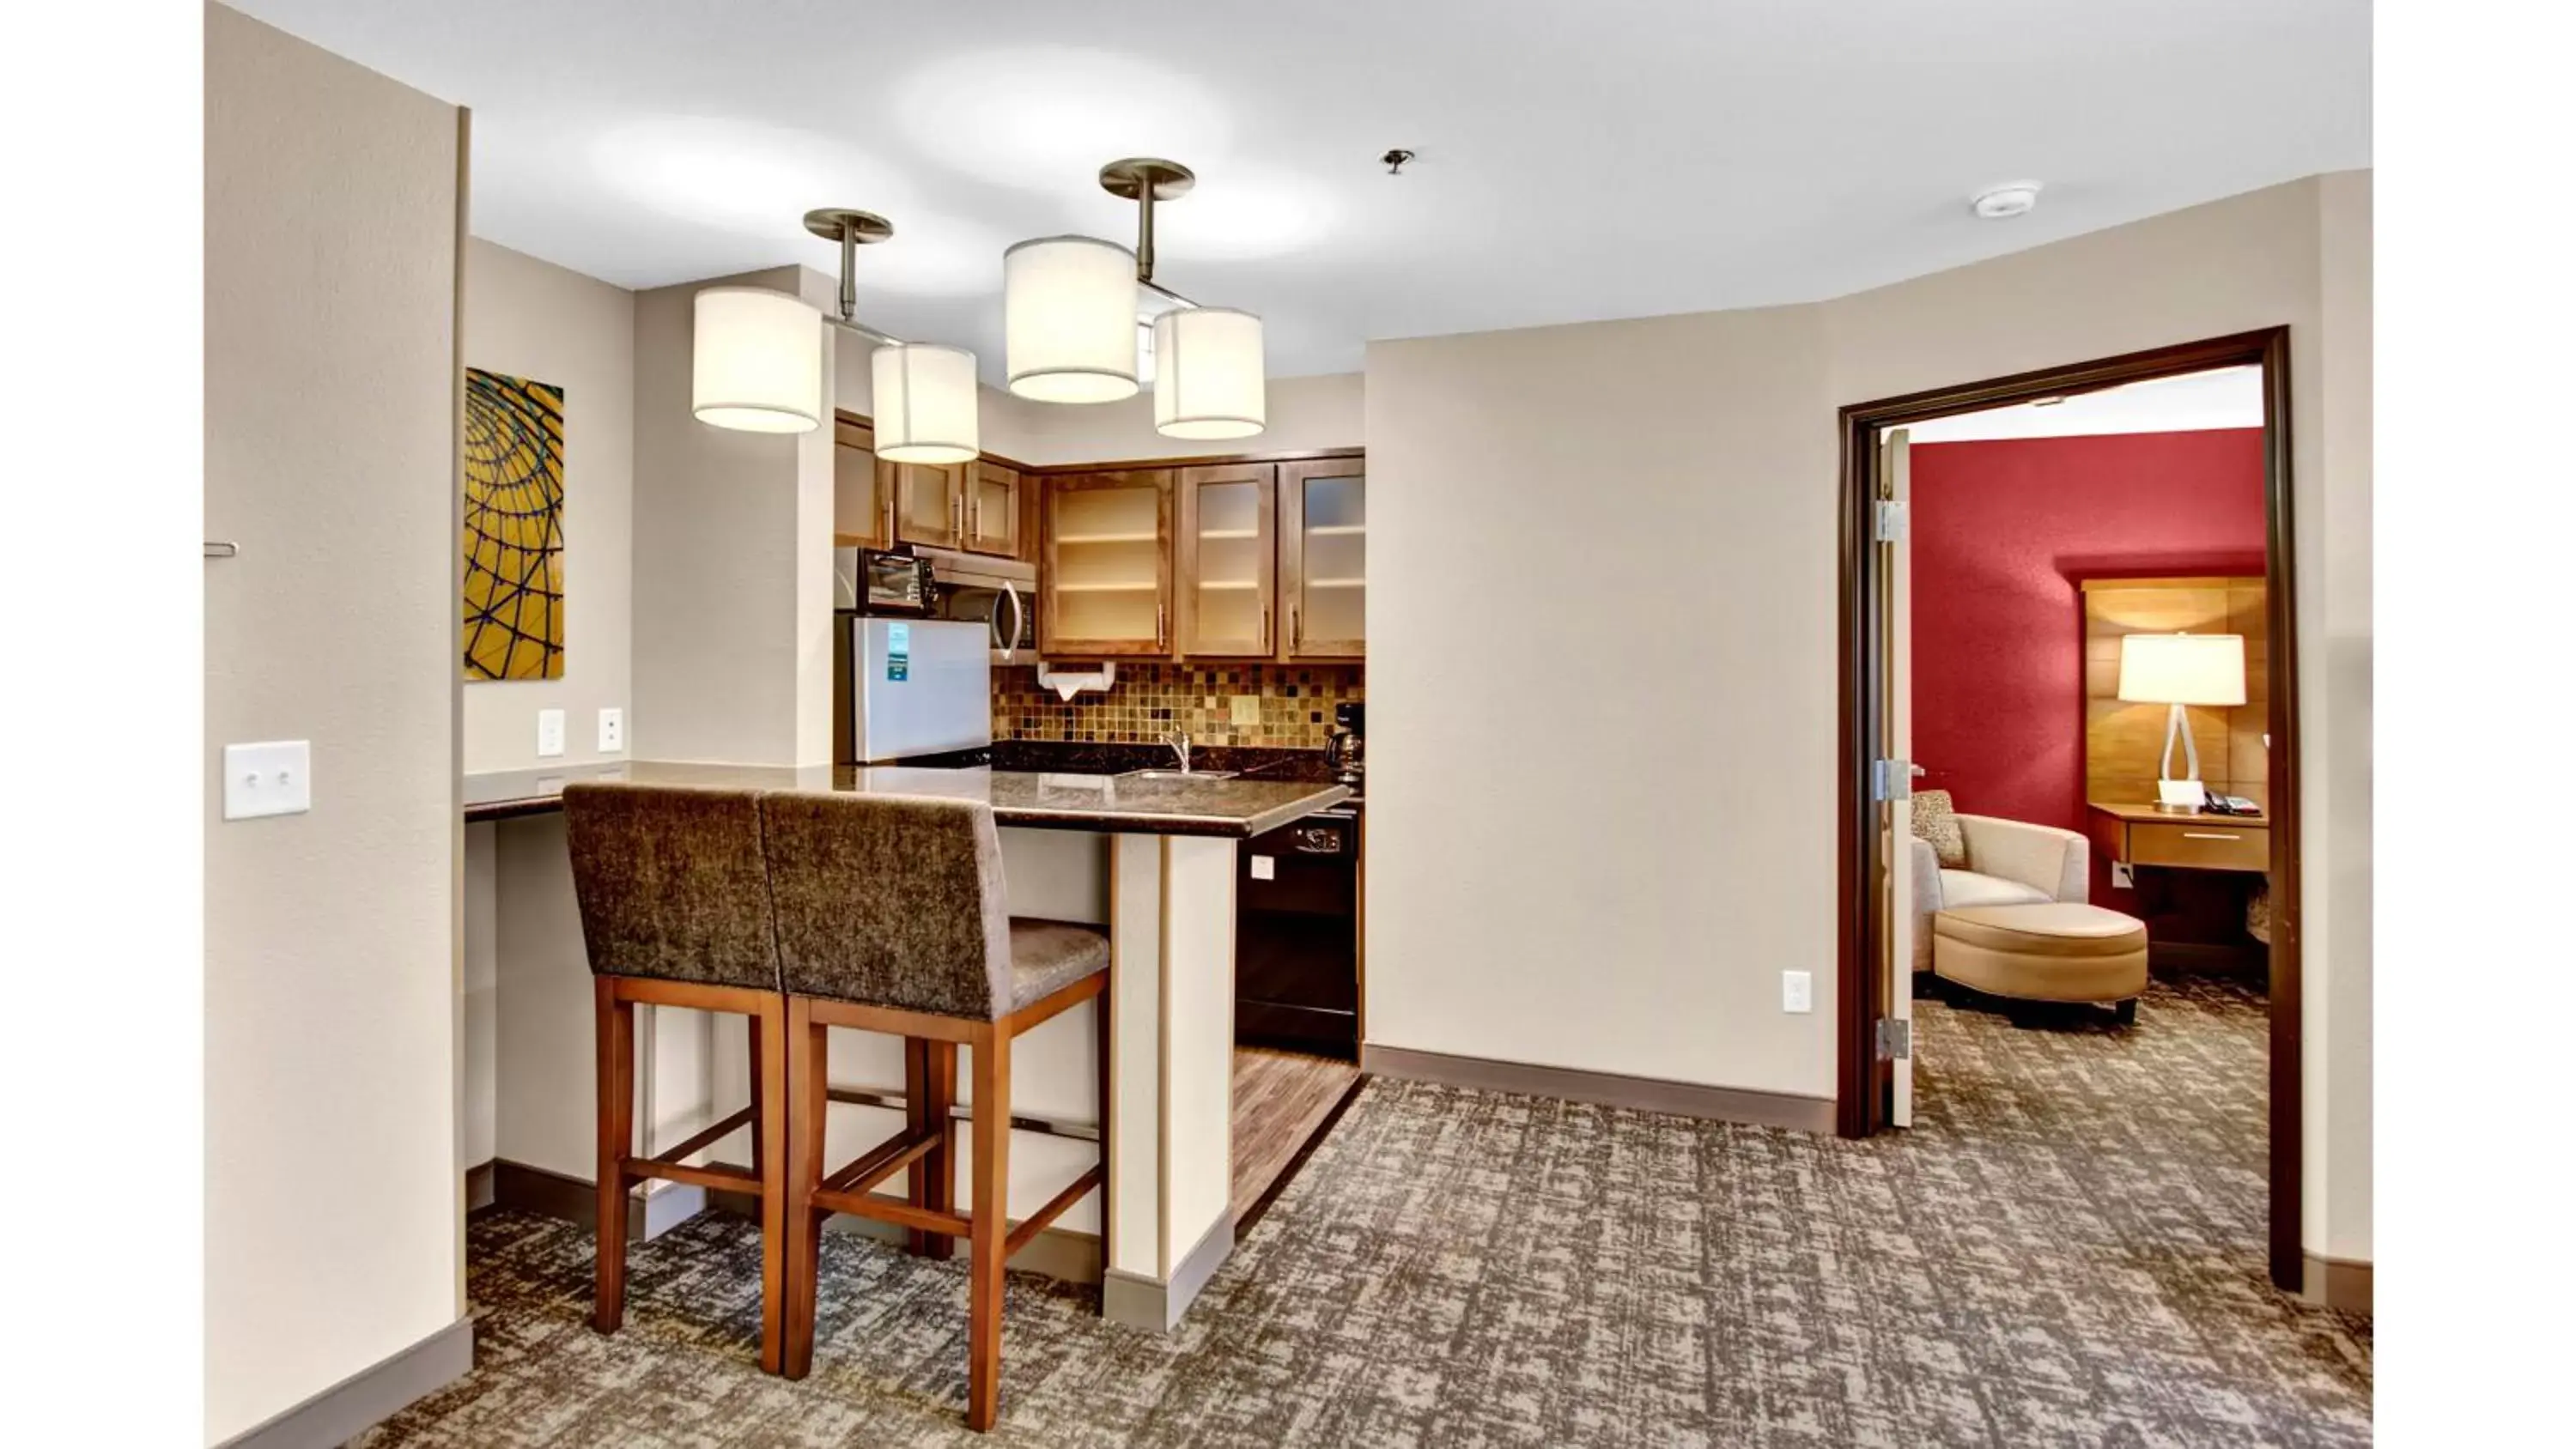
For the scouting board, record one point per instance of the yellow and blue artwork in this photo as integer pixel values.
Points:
(514, 470)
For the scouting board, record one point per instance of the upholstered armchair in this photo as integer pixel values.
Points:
(2006, 863)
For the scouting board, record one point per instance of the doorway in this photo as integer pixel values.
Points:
(1873, 1080)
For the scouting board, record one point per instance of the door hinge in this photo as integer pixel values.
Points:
(1891, 521)
(1891, 780)
(1895, 1039)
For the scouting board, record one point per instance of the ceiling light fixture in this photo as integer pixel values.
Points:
(757, 362)
(2013, 198)
(1070, 323)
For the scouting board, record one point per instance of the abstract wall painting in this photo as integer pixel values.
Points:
(514, 471)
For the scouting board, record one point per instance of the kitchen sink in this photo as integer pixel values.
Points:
(1166, 774)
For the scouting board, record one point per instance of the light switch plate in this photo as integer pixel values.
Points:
(274, 777)
(1244, 709)
(1265, 867)
(550, 733)
(1797, 991)
(612, 731)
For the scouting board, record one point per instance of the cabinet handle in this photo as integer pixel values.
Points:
(1296, 629)
(2209, 835)
(1158, 626)
(1265, 626)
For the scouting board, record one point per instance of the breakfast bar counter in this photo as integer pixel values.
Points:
(1156, 803)
(1152, 857)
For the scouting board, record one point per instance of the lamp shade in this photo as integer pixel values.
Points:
(925, 403)
(2182, 668)
(1069, 320)
(1208, 378)
(757, 361)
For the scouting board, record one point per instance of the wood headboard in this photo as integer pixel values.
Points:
(2123, 742)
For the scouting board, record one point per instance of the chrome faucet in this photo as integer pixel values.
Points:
(1179, 740)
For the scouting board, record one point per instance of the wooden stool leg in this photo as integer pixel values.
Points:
(938, 1167)
(616, 1037)
(769, 1154)
(1100, 1015)
(807, 1082)
(992, 1220)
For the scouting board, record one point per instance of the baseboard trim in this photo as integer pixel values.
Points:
(368, 1397)
(1140, 1302)
(1608, 1089)
(1059, 1253)
(2340, 1283)
(664, 1205)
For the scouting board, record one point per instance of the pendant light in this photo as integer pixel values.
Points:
(1069, 316)
(757, 362)
(925, 403)
(1207, 374)
(1069, 320)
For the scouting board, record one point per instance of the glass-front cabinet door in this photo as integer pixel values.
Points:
(861, 513)
(1228, 565)
(992, 508)
(1323, 559)
(930, 503)
(1107, 570)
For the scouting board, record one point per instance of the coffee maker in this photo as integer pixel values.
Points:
(1342, 748)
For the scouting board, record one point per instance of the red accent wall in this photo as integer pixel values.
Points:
(2002, 532)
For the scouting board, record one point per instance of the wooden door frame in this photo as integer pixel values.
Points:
(1861, 1080)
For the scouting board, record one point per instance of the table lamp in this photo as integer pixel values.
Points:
(2178, 670)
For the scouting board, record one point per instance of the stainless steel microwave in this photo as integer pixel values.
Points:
(999, 593)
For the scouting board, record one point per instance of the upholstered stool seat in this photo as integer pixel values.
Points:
(891, 917)
(2049, 951)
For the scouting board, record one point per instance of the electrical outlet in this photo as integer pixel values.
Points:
(612, 731)
(1244, 709)
(272, 778)
(1797, 991)
(2122, 876)
(550, 733)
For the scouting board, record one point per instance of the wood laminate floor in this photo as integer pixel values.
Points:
(1280, 1098)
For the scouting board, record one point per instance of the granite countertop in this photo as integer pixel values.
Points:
(1237, 808)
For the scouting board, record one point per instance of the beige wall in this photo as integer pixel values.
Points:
(333, 1215)
(533, 319)
(1678, 475)
(732, 548)
(1305, 413)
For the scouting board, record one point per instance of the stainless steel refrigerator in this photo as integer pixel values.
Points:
(916, 687)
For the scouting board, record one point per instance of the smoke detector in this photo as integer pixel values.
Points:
(2013, 198)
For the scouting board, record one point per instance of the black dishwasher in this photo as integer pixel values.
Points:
(1296, 946)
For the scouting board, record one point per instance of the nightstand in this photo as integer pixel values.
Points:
(2140, 834)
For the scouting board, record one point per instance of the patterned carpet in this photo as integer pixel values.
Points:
(2067, 1250)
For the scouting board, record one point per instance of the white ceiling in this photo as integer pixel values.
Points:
(1577, 161)
(2229, 397)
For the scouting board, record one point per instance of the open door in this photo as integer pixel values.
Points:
(1896, 827)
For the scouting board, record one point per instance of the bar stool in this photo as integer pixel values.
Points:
(891, 918)
(675, 912)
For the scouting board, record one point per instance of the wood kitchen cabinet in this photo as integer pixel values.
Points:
(862, 501)
(992, 512)
(1323, 559)
(930, 503)
(1106, 573)
(1226, 564)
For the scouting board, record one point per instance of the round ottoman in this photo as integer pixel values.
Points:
(2051, 951)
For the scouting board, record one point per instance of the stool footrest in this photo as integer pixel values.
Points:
(722, 1179)
(894, 1210)
(1036, 1223)
(709, 1137)
(881, 1162)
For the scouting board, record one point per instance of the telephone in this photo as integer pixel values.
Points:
(2217, 804)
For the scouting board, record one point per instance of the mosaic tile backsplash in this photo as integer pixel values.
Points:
(1150, 700)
